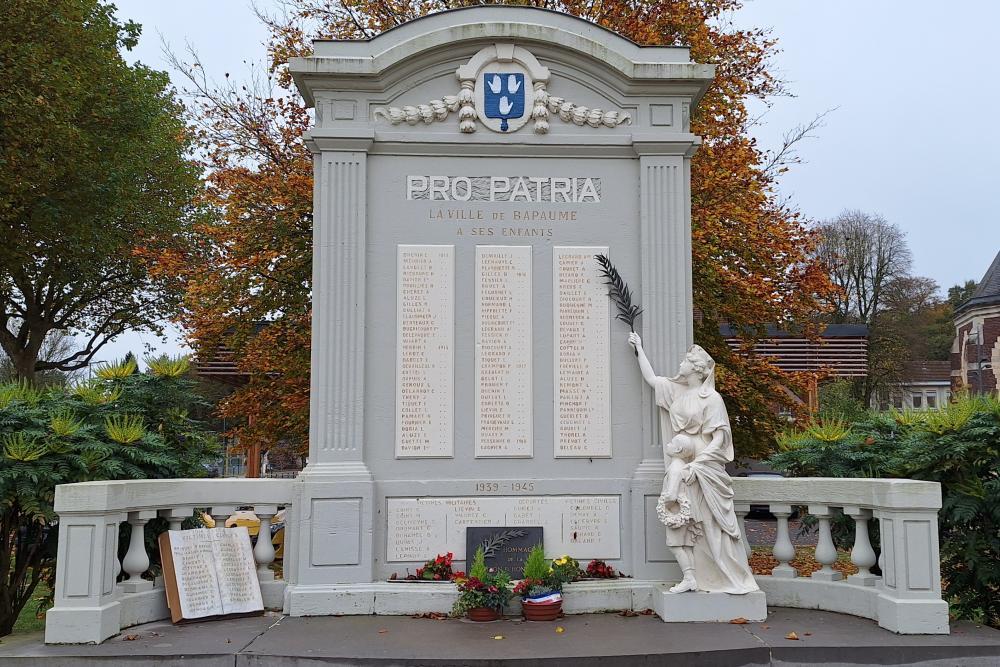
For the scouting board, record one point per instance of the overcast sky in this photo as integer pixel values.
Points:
(913, 135)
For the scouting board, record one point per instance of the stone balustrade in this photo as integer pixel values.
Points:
(906, 598)
(91, 604)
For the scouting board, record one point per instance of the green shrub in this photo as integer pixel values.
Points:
(537, 566)
(126, 425)
(958, 447)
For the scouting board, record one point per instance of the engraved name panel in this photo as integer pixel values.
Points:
(425, 356)
(582, 358)
(503, 351)
(584, 527)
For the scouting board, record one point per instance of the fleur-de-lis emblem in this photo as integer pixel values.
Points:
(503, 97)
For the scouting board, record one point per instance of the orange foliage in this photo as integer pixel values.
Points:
(751, 253)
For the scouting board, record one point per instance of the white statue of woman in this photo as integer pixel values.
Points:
(696, 504)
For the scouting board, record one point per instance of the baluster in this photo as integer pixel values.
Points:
(783, 549)
(741, 515)
(175, 516)
(222, 512)
(263, 551)
(826, 552)
(862, 554)
(136, 559)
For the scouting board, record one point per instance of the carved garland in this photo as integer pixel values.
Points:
(463, 103)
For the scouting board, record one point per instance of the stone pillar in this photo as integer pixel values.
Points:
(332, 510)
(86, 610)
(665, 296)
(910, 597)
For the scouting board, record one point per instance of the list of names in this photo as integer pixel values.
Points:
(503, 351)
(425, 358)
(584, 527)
(582, 362)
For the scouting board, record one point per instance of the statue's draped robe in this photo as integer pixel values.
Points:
(719, 558)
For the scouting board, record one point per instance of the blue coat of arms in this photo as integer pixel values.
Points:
(503, 96)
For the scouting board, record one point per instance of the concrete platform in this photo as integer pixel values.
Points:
(604, 640)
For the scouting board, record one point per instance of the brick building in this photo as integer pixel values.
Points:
(975, 354)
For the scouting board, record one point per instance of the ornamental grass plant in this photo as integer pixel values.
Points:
(121, 425)
(957, 446)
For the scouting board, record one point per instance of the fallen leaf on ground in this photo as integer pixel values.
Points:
(432, 615)
(647, 612)
(131, 638)
(792, 635)
(765, 627)
(382, 631)
(497, 636)
(807, 634)
(628, 613)
(560, 629)
(229, 641)
(739, 621)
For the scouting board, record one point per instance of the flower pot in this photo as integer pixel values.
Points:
(481, 614)
(541, 611)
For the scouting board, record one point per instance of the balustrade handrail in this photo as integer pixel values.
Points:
(140, 494)
(883, 494)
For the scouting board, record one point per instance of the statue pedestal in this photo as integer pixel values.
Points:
(697, 607)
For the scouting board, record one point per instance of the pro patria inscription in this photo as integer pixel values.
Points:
(425, 359)
(582, 354)
(503, 351)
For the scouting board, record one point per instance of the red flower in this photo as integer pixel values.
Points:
(493, 589)
(437, 577)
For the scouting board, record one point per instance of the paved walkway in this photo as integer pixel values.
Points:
(598, 640)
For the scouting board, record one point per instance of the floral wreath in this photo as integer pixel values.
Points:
(677, 519)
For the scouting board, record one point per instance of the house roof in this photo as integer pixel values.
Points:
(988, 291)
(927, 371)
(831, 331)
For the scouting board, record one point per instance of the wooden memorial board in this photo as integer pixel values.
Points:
(210, 573)
(505, 547)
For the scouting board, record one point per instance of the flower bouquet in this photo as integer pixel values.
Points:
(598, 569)
(438, 569)
(484, 593)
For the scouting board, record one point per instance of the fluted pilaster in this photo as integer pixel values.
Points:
(338, 320)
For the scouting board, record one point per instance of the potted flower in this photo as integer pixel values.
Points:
(541, 587)
(484, 593)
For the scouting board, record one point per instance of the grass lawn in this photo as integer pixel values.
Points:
(28, 621)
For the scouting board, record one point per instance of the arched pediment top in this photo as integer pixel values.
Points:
(491, 26)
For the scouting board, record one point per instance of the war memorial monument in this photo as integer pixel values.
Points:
(467, 368)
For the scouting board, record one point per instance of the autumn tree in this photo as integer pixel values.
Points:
(92, 168)
(752, 254)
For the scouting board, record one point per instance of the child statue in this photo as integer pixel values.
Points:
(696, 504)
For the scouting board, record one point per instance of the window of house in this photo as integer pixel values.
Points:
(931, 401)
(918, 401)
(897, 402)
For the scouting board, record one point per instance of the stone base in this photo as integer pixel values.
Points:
(697, 607)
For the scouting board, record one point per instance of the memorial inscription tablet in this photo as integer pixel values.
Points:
(582, 354)
(505, 547)
(503, 351)
(209, 572)
(584, 527)
(425, 359)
